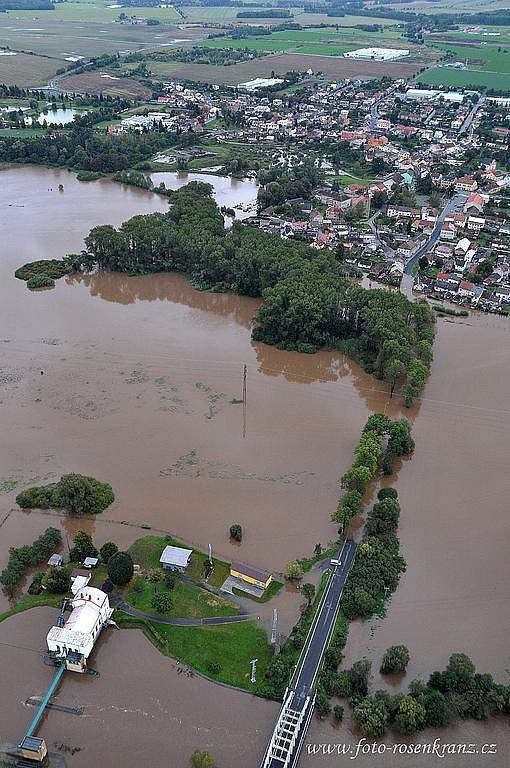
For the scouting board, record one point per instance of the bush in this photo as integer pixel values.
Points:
(40, 281)
(214, 668)
(371, 717)
(170, 579)
(79, 495)
(338, 713)
(83, 547)
(293, 571)
(107, 550)
(37, 497)
(35, 587)
(57, 580)
(387, 493)
(322, 704)
(50, 268)
(120, 568)
(395, 659)
(162, 602)
(236, 532)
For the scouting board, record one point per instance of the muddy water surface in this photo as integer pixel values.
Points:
(135, 381)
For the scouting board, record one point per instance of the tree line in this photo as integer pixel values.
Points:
(21, 558)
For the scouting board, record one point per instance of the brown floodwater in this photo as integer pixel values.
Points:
(134, 380)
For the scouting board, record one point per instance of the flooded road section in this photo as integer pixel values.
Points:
(135, 380)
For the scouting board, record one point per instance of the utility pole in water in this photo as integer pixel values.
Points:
(274, 628)
(245, 372)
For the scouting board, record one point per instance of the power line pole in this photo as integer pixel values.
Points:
(274, 628)
(253, 663)
(245, 372)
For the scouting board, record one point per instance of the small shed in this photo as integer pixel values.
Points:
(90, 562)
(56, 560)
(175, 558)
(80, 579)
(33, 748)
(251, 575)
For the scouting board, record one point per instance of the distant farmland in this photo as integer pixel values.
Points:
(280, 63)
(462, 78)
(28, 70)
(487, 65)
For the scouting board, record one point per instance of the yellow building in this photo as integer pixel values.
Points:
(250, 575)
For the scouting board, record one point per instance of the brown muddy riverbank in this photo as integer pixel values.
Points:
(137, 383)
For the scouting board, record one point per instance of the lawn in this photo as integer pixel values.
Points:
(222, 653)
(190, 602)
(147, 551)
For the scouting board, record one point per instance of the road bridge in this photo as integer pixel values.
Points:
(294, 717)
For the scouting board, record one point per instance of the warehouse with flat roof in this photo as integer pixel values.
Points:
(378, 54)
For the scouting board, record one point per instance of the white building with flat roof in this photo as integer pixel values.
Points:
(175, 558)
(91, 611)
(378, 54)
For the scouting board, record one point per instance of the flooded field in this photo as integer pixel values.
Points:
(135, 379)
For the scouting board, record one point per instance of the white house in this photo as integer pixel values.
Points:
(91, 612)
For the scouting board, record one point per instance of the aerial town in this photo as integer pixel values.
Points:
(255, 290)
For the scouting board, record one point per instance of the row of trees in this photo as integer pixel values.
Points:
(369, 455)
(307, 304)
(21, 558)
(76, 494)
(457, 692)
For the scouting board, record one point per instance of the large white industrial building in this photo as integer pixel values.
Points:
(378, 54)
(74, 640)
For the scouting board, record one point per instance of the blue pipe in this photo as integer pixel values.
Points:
(44, 702)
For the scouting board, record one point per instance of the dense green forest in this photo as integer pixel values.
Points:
(307, 304)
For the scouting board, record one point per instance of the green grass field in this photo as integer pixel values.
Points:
(323, 42)
(456, 78)
(97, 10)
(190, 602)
(147, 551)
(487, 65)
(490, 58)
(222, 653)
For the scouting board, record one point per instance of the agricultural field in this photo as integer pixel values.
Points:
(448, 6)
(458, 78)
(95, 10)
(67, 38)
(103, 82)
(315, 42)
(28, 70)
(280, 63)
(487, 65)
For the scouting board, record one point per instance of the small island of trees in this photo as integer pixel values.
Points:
(74, 493)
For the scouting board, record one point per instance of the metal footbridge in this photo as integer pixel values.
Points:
(294, 717)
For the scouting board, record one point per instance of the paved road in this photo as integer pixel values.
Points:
(469, 119)
(304, 677)
(455, 202)
(125, 608)
(287, 739)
